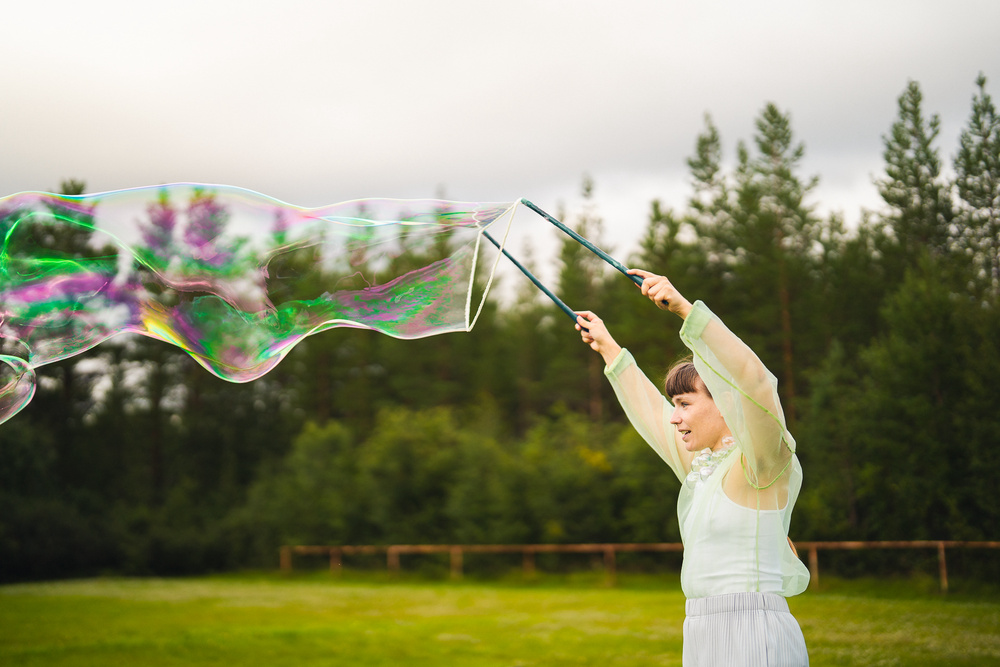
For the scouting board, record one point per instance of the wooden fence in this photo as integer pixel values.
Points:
(813, 549)
(456, 552)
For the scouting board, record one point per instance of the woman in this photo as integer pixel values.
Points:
(723, 435)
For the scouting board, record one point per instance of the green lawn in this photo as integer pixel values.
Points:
(359, 620)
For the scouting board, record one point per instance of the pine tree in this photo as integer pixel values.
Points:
(920, 209)
(762, 237)
(977, 166)
(711, 191)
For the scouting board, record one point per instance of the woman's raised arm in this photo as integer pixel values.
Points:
(644, 405)
(744, 390)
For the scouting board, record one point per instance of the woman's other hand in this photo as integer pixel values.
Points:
(662, 292)
(596, 335)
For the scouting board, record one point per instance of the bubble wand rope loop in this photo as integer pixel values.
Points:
(566, 309)
(584, 242)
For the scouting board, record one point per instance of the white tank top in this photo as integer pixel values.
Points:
(732, 553)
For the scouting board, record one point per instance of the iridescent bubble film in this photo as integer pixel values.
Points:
(231, 276)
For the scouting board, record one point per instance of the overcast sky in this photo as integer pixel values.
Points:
(316, 102)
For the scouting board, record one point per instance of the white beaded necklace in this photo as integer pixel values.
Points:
(707, 461)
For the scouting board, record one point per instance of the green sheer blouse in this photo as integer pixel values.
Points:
(734, 524)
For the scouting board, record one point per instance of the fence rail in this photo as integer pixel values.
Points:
(456, 552)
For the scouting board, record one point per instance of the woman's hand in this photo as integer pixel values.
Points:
(596, 335)
(662, 293)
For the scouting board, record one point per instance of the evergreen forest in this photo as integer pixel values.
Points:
(883, 336)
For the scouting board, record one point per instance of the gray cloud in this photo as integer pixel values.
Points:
(315, 102)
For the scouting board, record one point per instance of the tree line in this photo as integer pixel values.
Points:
(883, 338)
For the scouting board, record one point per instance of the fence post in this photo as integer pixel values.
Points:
(456, 562)
(529, 562)
(335, 564)
(942, 568)
(286, 559)
(392, 559)
(813, 567)
(609, 565)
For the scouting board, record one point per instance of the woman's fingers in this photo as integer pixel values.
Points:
(590, 327)
(661, 290)
(658, 289)
(649, 280)
(584, 321)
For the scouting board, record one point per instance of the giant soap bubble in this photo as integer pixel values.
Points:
(231, 276)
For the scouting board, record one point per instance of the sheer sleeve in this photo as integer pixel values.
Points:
(745, 392)
(648, 411)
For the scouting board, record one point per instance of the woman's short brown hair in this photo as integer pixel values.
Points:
(683, 378)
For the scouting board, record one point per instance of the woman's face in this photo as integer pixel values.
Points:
(697, 420)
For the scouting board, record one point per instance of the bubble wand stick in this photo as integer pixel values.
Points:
(566, 309)
(584, 242)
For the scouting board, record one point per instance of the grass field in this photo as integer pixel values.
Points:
(363, 620)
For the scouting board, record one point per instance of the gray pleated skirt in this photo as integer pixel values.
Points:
(742, 630)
